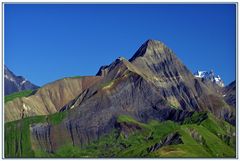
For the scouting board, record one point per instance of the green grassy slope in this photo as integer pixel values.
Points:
(17, 141)
(17, 95)
(208, 137)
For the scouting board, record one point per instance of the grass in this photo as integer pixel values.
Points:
(206, 143)
(128, 119)
(225, 131)
(196, 118)
(10, 97)
(173, 102)
(56, 118)
(107, 84)
(17, 135)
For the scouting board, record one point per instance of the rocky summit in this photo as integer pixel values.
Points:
(148, 106)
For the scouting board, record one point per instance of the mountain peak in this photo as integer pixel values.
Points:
(152, 42)
(120, 58)
(149, 47)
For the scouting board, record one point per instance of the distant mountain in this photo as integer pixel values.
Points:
(210, 76)
(13, 83)
(229, 94)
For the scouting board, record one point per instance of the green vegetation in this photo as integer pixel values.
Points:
(202, 135)
(196, 118)
(222, 129)
(107, 84)
(17, 137)
(25, 93)
(127, 119)
(17, 134)
(56, 118)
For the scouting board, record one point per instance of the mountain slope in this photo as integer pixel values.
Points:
(174, 79)
(207, 137)
(13, 83)
(47, 99)
(229, 94)
(152, 85)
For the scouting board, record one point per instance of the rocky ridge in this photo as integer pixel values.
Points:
(48, 99)
(13, 83)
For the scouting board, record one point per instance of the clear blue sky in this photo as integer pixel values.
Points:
(47, 42)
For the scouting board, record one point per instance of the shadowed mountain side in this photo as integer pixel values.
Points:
(48, 99)
(211, 86)
(229, 94)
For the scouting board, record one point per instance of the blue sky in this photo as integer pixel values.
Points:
(50, 41)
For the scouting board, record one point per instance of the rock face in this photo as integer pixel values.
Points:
(153, 84)
(171, 139)
(229, 94)
(49, 98)
(42, 132)
(13, 83)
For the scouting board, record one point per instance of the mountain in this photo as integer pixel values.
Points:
(13, 83)
(210, 76)
(148, 106)
(48, 99)
(229, 94)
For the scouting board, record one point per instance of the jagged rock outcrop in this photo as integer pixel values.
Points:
(49, 98)
(127, 129)
(102, 71)
(41, 134)
(196, 136)
(171, 139)
(13, 83)
(153, 84)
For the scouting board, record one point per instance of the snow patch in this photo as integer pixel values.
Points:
(24, 81)
(210, 76)
(9, 78)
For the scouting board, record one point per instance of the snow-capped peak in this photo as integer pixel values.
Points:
(210, 76)
(200, 74)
